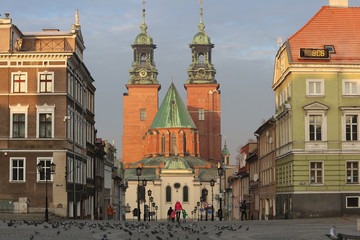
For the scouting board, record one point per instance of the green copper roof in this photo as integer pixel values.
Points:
(201, 37)
(172, 112)
(176, 163)
(156, 161)
(225, 150)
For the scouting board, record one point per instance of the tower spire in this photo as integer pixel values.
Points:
(143, 26)
(201, 24)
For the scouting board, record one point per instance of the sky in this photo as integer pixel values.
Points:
(244, 32)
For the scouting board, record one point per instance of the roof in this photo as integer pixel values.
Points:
(172, 112)
(339, 27)
(157, 161)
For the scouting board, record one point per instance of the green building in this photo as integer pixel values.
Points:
(317, 89)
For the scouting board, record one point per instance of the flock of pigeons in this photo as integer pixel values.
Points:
(133, 230)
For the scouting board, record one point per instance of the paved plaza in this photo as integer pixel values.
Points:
(299, 229)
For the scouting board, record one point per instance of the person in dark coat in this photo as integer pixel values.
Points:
(169, 213)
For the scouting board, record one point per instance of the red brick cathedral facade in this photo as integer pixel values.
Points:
(141, 105)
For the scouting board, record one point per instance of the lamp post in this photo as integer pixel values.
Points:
(138, 174)
(220, 173)
(152, 204)
(212, 183)
(156, 208)
(144, 185)
(201, 203)
(149, 194)
(198, 206)
(45, 170)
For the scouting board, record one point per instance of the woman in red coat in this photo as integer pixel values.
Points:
(178, 210)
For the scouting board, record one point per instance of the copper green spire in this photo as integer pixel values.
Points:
(172, 112)
(201, 24)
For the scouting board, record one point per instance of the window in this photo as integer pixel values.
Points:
(173, 144)
(201, 114)
(19, 82)
(143, 60)
(45, 130)
(314, 87)
(184, 143)
(351, 87)
(45, 174)
(18, 126)
(46, 84)
(352, 202)
(185, 194)
(142, 114)
(17, 169)
(168, 194)
(204, 193)
(18, 121)
(316, 172)
(315, 123)
(351, 127)
(45, 121)
(163, 143)
(201, 59)
(352, 172)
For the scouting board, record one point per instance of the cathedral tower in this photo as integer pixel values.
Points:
(141, 101)
(203, 97)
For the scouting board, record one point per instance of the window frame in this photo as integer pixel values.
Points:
(352, 174)
(37, 172)
(45, 109)
(316, 169)
(12, 81)
(11, 180)
(18, 109)
(322, 88)
(346, 113)
(323, 126)
(346, 201)
(201, 114)
(187, 194)
(142, 114)
(357, 87)
(46, 81)
(168, 191)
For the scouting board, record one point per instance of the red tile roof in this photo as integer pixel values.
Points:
(339, 27)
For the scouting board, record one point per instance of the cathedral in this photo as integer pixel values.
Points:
(171, 152)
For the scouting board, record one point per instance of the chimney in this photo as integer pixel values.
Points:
(339, 3)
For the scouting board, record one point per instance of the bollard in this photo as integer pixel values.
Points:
(358, 225)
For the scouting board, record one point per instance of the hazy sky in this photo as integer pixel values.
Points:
(244, 32)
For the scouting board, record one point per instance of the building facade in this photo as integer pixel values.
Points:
(316, 83)
(47, 99)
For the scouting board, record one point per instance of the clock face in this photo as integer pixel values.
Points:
(143, 73)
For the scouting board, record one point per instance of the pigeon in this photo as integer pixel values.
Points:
(31, 237)
(10, 224)
(158, 238)
(218, 233)
(332, 235)
(247, 228)
(240, 227)
(58, 232)
(36, 232)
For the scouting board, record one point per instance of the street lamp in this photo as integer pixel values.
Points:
(149, 194)
(198, 206)
(152, 203)
(201, 201)
(212, 183)
(144, 185)
(220, 173)
(41, 168)
(156, 208)
(138, 174)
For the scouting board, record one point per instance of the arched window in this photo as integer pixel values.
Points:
(201, 58)
(143, 59)
(184, 143)
(204, 193)
(173, 144)
(168, 194)
(163, 143)
(185, 194)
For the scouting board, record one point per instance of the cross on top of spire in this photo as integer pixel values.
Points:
(143, 26)
(145, 2)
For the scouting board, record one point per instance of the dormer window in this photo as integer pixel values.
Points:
(331, 48)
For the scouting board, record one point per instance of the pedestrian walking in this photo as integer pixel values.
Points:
(178, 209)
(184, 215)
(169, 213)
(110, 212)
(173, 214)
(243, 210)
